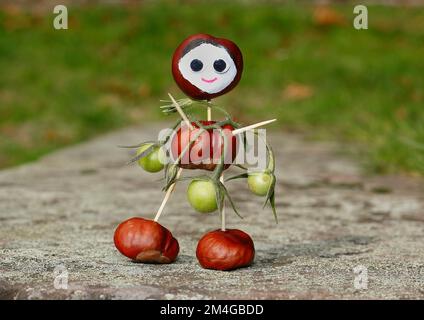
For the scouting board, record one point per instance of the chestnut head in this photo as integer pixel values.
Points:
(205, 67)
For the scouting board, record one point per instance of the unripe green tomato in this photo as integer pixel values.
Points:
(259, 183)
(201, 196)
(154, 161)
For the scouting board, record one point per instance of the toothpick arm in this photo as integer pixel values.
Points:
(253, 126)
(180, 111)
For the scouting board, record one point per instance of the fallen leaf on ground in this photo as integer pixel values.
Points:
(326, 16)
(297, 91)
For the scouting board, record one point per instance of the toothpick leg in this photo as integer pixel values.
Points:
(172, 187)
(223, 207)
(167, 195)
(209, 117)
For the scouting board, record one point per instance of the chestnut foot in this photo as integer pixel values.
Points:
(146, 241)
(225, 250)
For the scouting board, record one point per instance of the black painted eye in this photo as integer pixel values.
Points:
(196, 65)
(219, 65)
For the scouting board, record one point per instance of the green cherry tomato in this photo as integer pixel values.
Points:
(154, 161)
(201, 195)
(259, 183)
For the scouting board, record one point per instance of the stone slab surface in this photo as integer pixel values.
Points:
(63, 209)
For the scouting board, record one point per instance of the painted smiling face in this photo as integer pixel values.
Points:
(205, 67)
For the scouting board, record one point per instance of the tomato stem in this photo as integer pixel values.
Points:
(223, 206)
(220, 167)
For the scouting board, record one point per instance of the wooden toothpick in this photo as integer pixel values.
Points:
(167, 195)
(209, 111)
(172, 187)
(223, 207)
(221, 178)
(252, 126)
(180, 111)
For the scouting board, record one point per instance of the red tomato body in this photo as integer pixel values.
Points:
(205, 153)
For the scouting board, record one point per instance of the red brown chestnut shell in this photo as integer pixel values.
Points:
(191, 42)
(194, 157)
(225, 250)
(146, 241)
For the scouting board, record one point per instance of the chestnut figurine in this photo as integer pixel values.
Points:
(205, 67)
(225, 250)
(147, 241)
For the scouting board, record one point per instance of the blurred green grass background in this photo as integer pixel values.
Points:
(305, 65)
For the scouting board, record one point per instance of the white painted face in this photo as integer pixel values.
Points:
(209, 68)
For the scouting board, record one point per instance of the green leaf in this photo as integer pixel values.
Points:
(238, 176)
(272, 203)
(170, 108)
(143, 154)
(219, 196)
(137, 145)
(196, 178)
(241, 166)
(270, 197)
(171, 171)
(225, 191)
(270, 189)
